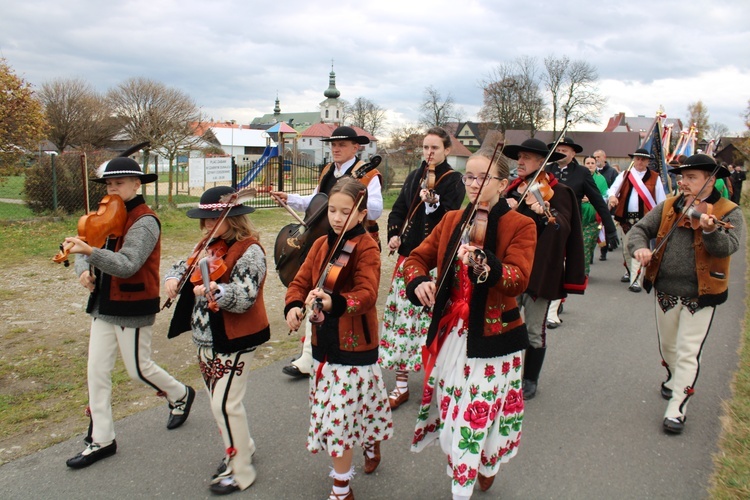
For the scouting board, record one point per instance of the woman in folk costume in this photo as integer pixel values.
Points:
(426, 196)
(472, 403)
(227, 329)
(348, 402)
(591, 227)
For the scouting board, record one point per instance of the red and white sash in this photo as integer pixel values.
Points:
(642, 190)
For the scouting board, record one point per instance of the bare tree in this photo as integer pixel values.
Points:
(512, 97)
(436, 111)
(147, 110)
(77, 115)
(574, 94)
(365, 114)
(698, 116)
(716, 131)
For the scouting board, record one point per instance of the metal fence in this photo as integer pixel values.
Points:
(298, 176)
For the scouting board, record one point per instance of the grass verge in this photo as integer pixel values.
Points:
(731, 477)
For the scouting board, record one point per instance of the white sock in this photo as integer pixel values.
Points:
(370, 452)
(461, 497)
(341, 490)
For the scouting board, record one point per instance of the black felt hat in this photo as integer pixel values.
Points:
(346, 134)
(641, 153)
(702, 162)
(531, 146)
(567, 141)
(210, 206)
(122, 167)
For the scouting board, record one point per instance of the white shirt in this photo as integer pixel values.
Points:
(374, 193)
(633, 200)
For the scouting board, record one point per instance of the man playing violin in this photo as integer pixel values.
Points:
(559, 258)
(123, 304)
(634, 193)
(689, 271)
(345, 143)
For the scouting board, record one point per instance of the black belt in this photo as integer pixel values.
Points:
(632, 217)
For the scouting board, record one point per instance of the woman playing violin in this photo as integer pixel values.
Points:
(689, 268)
(472, 403)
(348, 403)
(123, 304)
(415, 214)
(227, 338)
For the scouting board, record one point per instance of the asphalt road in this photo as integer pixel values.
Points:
(593, 431)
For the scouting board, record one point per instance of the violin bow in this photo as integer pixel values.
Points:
(231, 200)
(546, 160)
(465, 225)
(335, 246)
(414, 204)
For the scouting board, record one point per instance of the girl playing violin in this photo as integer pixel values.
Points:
(414, 215)
(472, 402)
(348, 401)
(227, 339)
(123, 278)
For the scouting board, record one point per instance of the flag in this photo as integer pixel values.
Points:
(653, 145)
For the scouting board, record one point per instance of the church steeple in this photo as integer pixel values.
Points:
(332, 92)
(277, 108)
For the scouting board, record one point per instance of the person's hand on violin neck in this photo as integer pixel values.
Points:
(708, 223)
(318, 293)
(200, 290)
(78, 246)
(87, 280)
(394, 243)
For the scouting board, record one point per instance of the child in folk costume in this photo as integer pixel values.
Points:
(227, 338)
(348, 401)
(404, 325)
(473, 403)
(123, 278)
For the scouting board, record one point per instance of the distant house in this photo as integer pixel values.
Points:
(472, 133)
(640, 124)
(730, 151)
(458, 155)
(310, 143)
(616, 145)
(244, 143)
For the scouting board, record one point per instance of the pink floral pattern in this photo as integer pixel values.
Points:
(348, 408)
(404, 329)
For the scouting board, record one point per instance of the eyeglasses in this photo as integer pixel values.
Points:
(469, 179)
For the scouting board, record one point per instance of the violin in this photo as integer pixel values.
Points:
(96, 227)
(475, 237)
(692, 219)
(205, 276)
(542, 193)
(429, 181)
(215, 252)
(424, 183)
(295, 240)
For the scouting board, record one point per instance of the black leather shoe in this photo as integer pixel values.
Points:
(80, 461)
(635, 287)
(674, 425)
(529, 389)
(666, 392)
(293, 371)
(224, 488)
(174, 420)
(602, 257)
(552, 325)
(625, 278)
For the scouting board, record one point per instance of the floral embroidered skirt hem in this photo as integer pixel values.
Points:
(473, 407)
(348, 408)
(404, 328)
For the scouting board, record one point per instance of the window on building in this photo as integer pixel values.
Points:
(337, 113)
(471, 143)
(326, 113)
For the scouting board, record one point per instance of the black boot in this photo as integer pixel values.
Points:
(532, 366)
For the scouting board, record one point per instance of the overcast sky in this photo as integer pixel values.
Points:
(233, 56)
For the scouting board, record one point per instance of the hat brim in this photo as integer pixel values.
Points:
(145, 178)
(638, 155)
(201, 213)
(513, 150)
(576, 147)
(360, 139)
(721, 173)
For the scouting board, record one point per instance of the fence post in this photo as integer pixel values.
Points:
(156, 184)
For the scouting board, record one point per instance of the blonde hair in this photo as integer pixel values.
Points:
(488, 147)
(240, 228)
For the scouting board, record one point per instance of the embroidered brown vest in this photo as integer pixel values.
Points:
(712, 272)
(255, 319)
(649, 180)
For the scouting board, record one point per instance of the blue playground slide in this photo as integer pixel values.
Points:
(268, 153)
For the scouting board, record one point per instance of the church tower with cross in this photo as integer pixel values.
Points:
(332, 109)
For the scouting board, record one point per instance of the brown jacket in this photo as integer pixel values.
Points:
(349, 334)
(495, 324)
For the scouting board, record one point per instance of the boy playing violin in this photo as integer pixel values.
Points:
(123, 304)
(690, 272)
(348, 402)
(229, 322)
